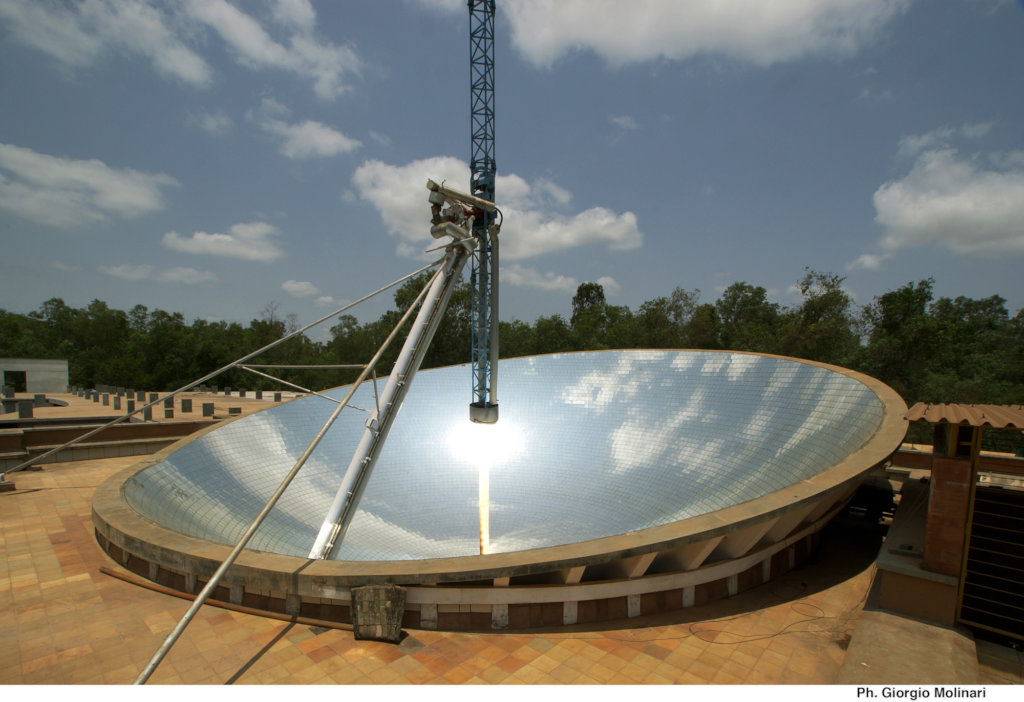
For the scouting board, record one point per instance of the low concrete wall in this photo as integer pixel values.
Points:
(126, 439)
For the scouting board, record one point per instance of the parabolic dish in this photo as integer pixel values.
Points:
(589, 445)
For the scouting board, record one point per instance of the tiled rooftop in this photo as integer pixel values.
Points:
(63, 621)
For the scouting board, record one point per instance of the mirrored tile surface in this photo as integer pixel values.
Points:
(588, 445)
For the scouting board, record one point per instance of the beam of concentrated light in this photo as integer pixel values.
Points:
(485, 510)
(485, 447)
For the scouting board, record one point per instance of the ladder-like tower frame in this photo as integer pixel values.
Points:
(483, 171)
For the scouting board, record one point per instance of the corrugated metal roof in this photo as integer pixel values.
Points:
(995, 416)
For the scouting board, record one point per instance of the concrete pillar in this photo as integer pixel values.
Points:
(499, 616)
(186, 405)
(570, 613)
(24, 409)
(428, 616)
(632, 606)
(207, 409)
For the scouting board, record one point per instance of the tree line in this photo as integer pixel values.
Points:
(926, 348)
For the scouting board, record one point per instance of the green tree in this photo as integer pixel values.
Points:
(590, 319)
(703, 330)
(822, 327)
(747, 320)
(974, 361)
(902, 339)
(551, 335)
(515, 339)
(662, 322)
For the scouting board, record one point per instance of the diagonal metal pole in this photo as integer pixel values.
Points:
(214, 374)
(218, 575)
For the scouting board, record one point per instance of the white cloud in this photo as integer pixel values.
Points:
(964, 205)
(326, 65)
(534, 232)
(912, 145)
(610, 285)
(976, 131)
(300, 288)
(553, 191)
(215, 123)
(186, 276)
(624, 122)
(382, 139)
(127, 271)
(66, 267)
(252, 241)
(298, 14)
(869, 262)
(51, 29)
(448, 5)
(67, 193)
(82, 32)
(955, 203)
(78, 35)
(144, 271)
(307, 139)
(532, 226)
(521, 276)
(327, 301)
(754, 31)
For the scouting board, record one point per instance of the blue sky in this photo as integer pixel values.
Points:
(211, 157)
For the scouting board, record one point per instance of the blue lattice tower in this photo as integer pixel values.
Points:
(484, 271)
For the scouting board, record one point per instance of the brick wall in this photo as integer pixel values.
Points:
(947, 515)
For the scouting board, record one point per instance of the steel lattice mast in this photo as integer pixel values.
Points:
(484, 270)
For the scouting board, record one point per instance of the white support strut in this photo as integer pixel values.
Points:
(354, 481)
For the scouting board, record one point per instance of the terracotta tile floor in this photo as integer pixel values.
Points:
(62, 621)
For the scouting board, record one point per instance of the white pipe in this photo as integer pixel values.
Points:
(353, 482)
(494, 318)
